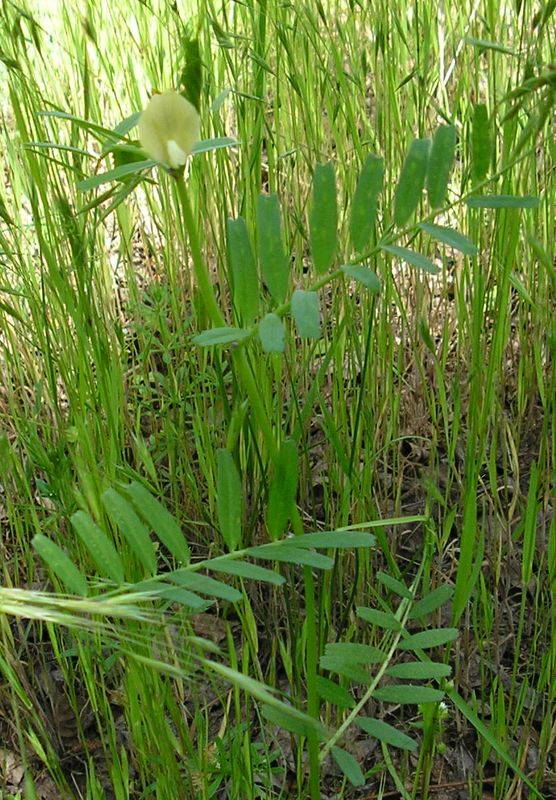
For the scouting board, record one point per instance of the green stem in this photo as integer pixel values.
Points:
(201, 272)
(259, 411)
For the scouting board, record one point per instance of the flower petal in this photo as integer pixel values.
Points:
(168, 128)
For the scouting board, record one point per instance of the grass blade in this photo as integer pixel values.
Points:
(263, 693)
(530, 525)
(486, 734)
(469, 558)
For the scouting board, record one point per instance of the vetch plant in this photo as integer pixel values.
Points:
(430, 163)
(151, 595)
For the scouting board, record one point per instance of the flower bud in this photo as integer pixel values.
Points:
(168, 129)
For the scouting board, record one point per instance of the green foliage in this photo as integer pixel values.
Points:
(194, 589)
(382, 619)
(333, 693)
(124, 171)
(272, 256)
(349, 766)
(220, 336)
(431, 602)
(363, 275)
(244, 271)
(419, 670)
(159, 520)
(411, 257)
(283, 490)
(306, 313)
(272, 333)
(60, 564)
(366, 664)
(323, 217)
(386, 733)
(137, 535)
(364, 206)
(450, 237)
(425, 163)
(411, 181)
(481, 142)
(101, 548)
(228, 497)
(440, 163)
(430, 638)
(503, 201)
(157, 516)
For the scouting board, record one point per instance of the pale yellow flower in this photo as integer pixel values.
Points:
(168, 128)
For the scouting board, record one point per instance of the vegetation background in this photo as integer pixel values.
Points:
(359, 388)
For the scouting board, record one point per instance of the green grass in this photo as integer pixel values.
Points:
(423, 412)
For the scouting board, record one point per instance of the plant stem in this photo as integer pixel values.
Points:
(201, 272)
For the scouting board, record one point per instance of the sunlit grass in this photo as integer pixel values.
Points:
(435, 397)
